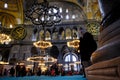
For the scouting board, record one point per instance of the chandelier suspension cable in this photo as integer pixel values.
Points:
(43, 15)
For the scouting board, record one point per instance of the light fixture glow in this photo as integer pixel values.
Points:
(11, 26)
(60, 10)
(2, 62)
(74, 43)
(73, 16)
(66, 10)
(42, 44)
(4, 38)
(5, 5)
(41, 59)
(67, 16)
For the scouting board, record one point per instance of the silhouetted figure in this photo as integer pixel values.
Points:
(53, 72)
(54, 69)
(47, 72)
(87, 47)
(62, 72)
(29, 72)
(1, 71)
(5, 72)
(12, 71)
(23, 71)
(17, 70)
(39, 71)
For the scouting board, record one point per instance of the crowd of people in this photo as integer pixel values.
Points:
(21, 71)
(14, 71)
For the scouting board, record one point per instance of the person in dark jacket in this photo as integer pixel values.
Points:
(87, 46)
(17, 70)
(12, 71)
(39, 71)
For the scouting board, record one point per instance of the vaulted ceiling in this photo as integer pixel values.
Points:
(14, 13)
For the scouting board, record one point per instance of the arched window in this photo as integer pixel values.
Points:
(54, 36)
(67, 58)
(75, 34)
(70, 59)
(34, 37)
(41, 36)
(68, 34)
(48, 35)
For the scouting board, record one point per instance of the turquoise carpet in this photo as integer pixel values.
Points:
(75, 77)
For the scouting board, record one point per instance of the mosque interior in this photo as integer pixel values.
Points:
(36, 37)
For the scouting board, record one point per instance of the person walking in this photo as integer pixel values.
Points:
(87, 46)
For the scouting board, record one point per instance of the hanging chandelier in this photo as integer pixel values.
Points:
(42, 59)
(42, 44)
(3, 63)
(43, 14)
(4, 39)
(74, 44)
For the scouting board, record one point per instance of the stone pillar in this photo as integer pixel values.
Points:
(109, 39)
(109, 10)
(106, 59)
(106, 6)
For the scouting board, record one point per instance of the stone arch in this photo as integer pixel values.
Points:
(54, 51)
(75, 34)
(64, 50)
(72, 54)
(41, 35)
(68, 33)
(5, 54)
(55, 33)
(47, 35)
(7, 19)
(61, 33)
(34, 34)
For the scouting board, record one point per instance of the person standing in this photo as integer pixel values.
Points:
(17, 70)
(12, 71)
(87, 46)
(39, 71)
(5, 73)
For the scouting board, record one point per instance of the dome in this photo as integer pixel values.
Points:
(69, 14)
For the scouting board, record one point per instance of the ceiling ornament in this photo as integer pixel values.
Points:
(93, 28)
(7, 20)
(43, 14)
